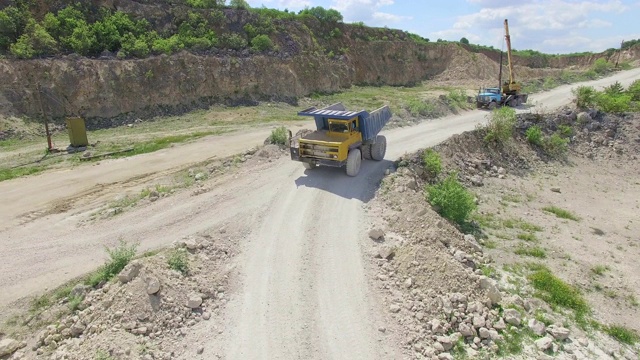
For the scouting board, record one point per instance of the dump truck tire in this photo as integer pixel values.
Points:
(354, 160)
(379, 148)
(366, 151)
(308, 166)
(492, 105)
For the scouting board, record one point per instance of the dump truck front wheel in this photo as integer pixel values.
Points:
(354, 160)
(366, 151)
(379, 148)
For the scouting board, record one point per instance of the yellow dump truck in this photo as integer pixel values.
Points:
(342, 139)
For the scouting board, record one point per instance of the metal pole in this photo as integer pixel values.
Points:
(619, 53)
(46, 122)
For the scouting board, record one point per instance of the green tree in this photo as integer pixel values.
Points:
(13, 22)
(82, 40)
(323, 14)
(35, 41)
(464, 41)
(239, 4)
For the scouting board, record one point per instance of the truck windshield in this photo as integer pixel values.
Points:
(340, 127)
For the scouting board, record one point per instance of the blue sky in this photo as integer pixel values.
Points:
(551, 26)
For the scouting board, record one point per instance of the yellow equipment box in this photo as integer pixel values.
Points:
(77, 132)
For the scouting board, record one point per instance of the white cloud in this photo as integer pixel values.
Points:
(368, 11)
(546, 25)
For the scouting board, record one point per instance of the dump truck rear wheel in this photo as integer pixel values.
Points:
(366, 151)
(309, 166)
(354, 160)
(379, 148)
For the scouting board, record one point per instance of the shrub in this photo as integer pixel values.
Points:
(501, 125)
(133, 46)
(119, 257)
(555, 145)
(278, 136)
(565, 131)
(205, 4)
(534, 135)
(168, 46)
(233, 41)
(602, 66)
(585, 96)
(432, 162)
(261, 43)
(451, 199)
(634, 90)
(335, 33)
(613, 103)
(549, 83)
(82, 40)
(457, 98)
(179, 261)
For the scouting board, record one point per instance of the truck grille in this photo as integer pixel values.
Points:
(317, 151)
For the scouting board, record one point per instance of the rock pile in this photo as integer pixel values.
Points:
(149, 305)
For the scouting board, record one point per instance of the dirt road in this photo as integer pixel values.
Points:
(302, 292)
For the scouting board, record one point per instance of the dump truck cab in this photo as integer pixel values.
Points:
(342, 138)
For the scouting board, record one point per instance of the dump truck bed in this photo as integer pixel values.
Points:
(370, 123)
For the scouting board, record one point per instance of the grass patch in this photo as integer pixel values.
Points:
(558, 293)
(39, 303)
(561, 213)
(161, 143)
(8, 174)
(179, 261)
(119, 257)
(600, 269)
(536, 252)
(74, 302)
(488, 271)
(528, 237)
(622, 334)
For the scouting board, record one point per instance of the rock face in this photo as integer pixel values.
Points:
(107, 88)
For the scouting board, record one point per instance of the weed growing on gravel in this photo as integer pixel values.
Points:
(513, 342)
(40, 302)
(555, 145)
(536, 252)
(600, 269)
(179, 261)
(278, 136)
(451, 199)
(558, 293)
(528, 237)
(585, 96)
(74, 302)
(534, 135)
(418, 107)
(103, 355)
(561, 213)
(119, 257)
(432, 162)
(500, 127)
(622, 334)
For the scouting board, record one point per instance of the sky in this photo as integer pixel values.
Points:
(549, 26)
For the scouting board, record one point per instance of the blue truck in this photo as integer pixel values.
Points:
(342, 138)
(509, 93)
